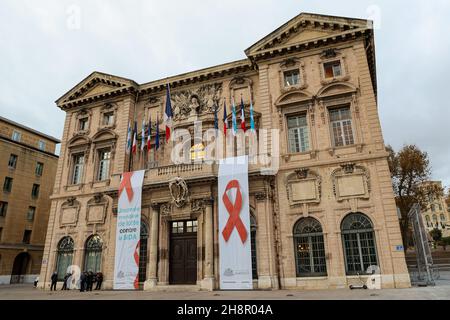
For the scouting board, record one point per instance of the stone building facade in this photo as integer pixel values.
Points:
(27, 172)
(436, 215)
(326, 214)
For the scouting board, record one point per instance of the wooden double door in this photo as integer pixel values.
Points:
(183, 252)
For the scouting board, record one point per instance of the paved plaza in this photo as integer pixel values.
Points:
(439, 292)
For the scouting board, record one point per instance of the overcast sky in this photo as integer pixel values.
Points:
(47, 47)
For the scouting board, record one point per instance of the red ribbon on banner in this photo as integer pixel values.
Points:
(136, 260)
(126, 184)
(234, 210)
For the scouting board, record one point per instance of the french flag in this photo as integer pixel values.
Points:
(134, 148)
(149, 134)
(242, 116)
(225, 123)
(168, 114)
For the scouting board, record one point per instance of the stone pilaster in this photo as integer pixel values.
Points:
(208, 280)
(153, 256)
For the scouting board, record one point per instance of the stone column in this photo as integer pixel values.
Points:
(152, 278)
(208, 281)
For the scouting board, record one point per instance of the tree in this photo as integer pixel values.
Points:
(436, 234)
(410, 170)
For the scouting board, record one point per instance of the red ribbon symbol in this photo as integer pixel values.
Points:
(126, 184)
(136, 260)
(234, 210)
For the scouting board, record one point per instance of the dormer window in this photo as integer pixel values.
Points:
(83, 124)
(332, 69)
(291, 78)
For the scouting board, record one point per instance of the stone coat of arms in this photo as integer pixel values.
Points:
(179, 191)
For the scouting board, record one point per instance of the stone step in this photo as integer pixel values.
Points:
(177, 288)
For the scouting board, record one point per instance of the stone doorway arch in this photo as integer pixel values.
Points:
(20, 267)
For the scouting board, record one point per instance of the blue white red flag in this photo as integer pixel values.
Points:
(168, 114)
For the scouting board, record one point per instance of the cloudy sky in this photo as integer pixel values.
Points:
(49, 46)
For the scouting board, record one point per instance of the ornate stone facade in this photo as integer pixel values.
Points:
(314, 81)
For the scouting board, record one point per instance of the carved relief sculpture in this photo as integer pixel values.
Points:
(179, 191)
(196, 101)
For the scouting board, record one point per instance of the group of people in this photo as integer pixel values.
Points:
(87, 280)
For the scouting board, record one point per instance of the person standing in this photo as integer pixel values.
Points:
(88, 280)
(91, 280)
(54, 279)
(99, 277)
(66, 277)
(82, 281)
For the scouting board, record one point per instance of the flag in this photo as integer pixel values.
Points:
(216, 119)
(225, 123)
(149, 134)
(134, 148)
(143, 135)
(157, 134)
(129, 138)
(242, 115)
(168, 114)
(252, 120)
(233, 118)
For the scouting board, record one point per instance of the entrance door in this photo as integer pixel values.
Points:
(20, 267)
(183, 252)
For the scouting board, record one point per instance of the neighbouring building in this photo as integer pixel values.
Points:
(326, 215)
(27, 171)
(437, 216)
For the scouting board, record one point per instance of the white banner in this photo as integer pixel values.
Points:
(128, 231)
(234, 225)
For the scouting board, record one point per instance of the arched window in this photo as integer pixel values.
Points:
(64, 256)
(435, 221)
(93, 254)
(309, 248)
(143, 253)
(253, 246)
(358, 240)
(427, 218)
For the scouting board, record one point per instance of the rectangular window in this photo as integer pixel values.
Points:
(26, 236)
(3, 208)
(30, 214)
(39, 168)
(151, 158)
(83, 124)
(191, 226)
(332, 69)
(12, 161)
(298, 133)
(108, 118)
(78, 166)
(35, 191)
(41, 145)
(291, 78)
(7, 185)
(16, 136)
(103, 165)
(177, 227)
(341, 126)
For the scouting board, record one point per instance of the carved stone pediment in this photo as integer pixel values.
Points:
(197, 101)
(303, 186)
(178, 191)
(351, 181)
